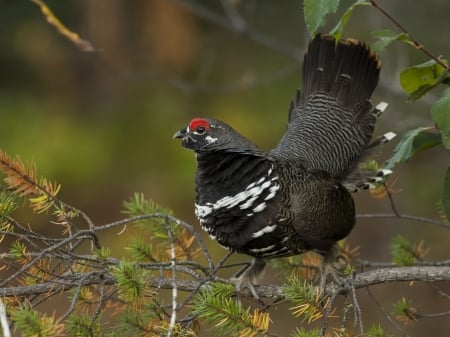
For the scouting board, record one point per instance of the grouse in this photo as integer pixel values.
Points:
(296, 197)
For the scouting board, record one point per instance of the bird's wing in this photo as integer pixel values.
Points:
(330, 120)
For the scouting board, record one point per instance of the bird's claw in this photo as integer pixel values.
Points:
(333, 265)
(243, 282)
(247, 277)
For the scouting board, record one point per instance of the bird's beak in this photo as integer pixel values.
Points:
(180, 134)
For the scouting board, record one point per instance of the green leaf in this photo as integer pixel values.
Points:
(417, 80)
(338, 30)
(315, 12)
(446, 194)
(440, 112)
(385, 37)
(413, 142)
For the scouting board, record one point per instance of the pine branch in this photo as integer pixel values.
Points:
(23, 182)
(361, 280)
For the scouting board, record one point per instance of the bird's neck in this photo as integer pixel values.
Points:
(221, 174)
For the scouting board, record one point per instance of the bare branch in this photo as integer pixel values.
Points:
(4, 320)
(252, 34)
(404, 217)
(237, 20)
(173, 263)
(362, 280)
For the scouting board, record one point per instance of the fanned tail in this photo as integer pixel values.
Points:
(348, 71)
(331, 119)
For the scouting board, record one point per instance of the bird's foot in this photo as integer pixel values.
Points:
(243, 282)
(334, 266)
(247, 278)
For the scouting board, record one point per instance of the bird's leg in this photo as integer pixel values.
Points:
(247, 277)
(333, 265)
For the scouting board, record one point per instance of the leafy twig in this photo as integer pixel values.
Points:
(416, 43)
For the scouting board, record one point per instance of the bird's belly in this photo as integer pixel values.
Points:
(257, 237)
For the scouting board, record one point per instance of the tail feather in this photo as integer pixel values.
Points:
(379, 109)
(366, 180)
(357, 61)
(348, 71)
(316, 64)
(381, 140)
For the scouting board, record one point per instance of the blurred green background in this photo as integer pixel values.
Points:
(101, 123)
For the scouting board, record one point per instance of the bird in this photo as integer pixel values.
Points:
(297, 197)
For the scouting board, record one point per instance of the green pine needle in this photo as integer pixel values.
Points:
(8, 203)
(157, 226)
(402, 251)
(32, 323)
(82, 325)
(103, 253)
(18, 250)
(404, 311)
(142, 251)
(139, 205)
(376, 331)
(307, 301)
(302, 332)
(218, 308)
(132, 282)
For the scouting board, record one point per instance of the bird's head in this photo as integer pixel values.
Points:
(201, 134)
(204, 135)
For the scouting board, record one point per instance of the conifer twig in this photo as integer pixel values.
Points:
(390, 319)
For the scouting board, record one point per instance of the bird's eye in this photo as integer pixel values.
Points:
(200, 130)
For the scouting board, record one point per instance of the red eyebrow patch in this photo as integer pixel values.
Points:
(196, 122)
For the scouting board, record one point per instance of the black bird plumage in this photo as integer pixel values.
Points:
(296, 197)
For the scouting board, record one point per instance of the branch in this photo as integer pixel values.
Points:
(388, 316)
(374, 277)
(405, 217)
(402, 274)
(4, 320)
(242, 28)
(362, 280)
(417, 44)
